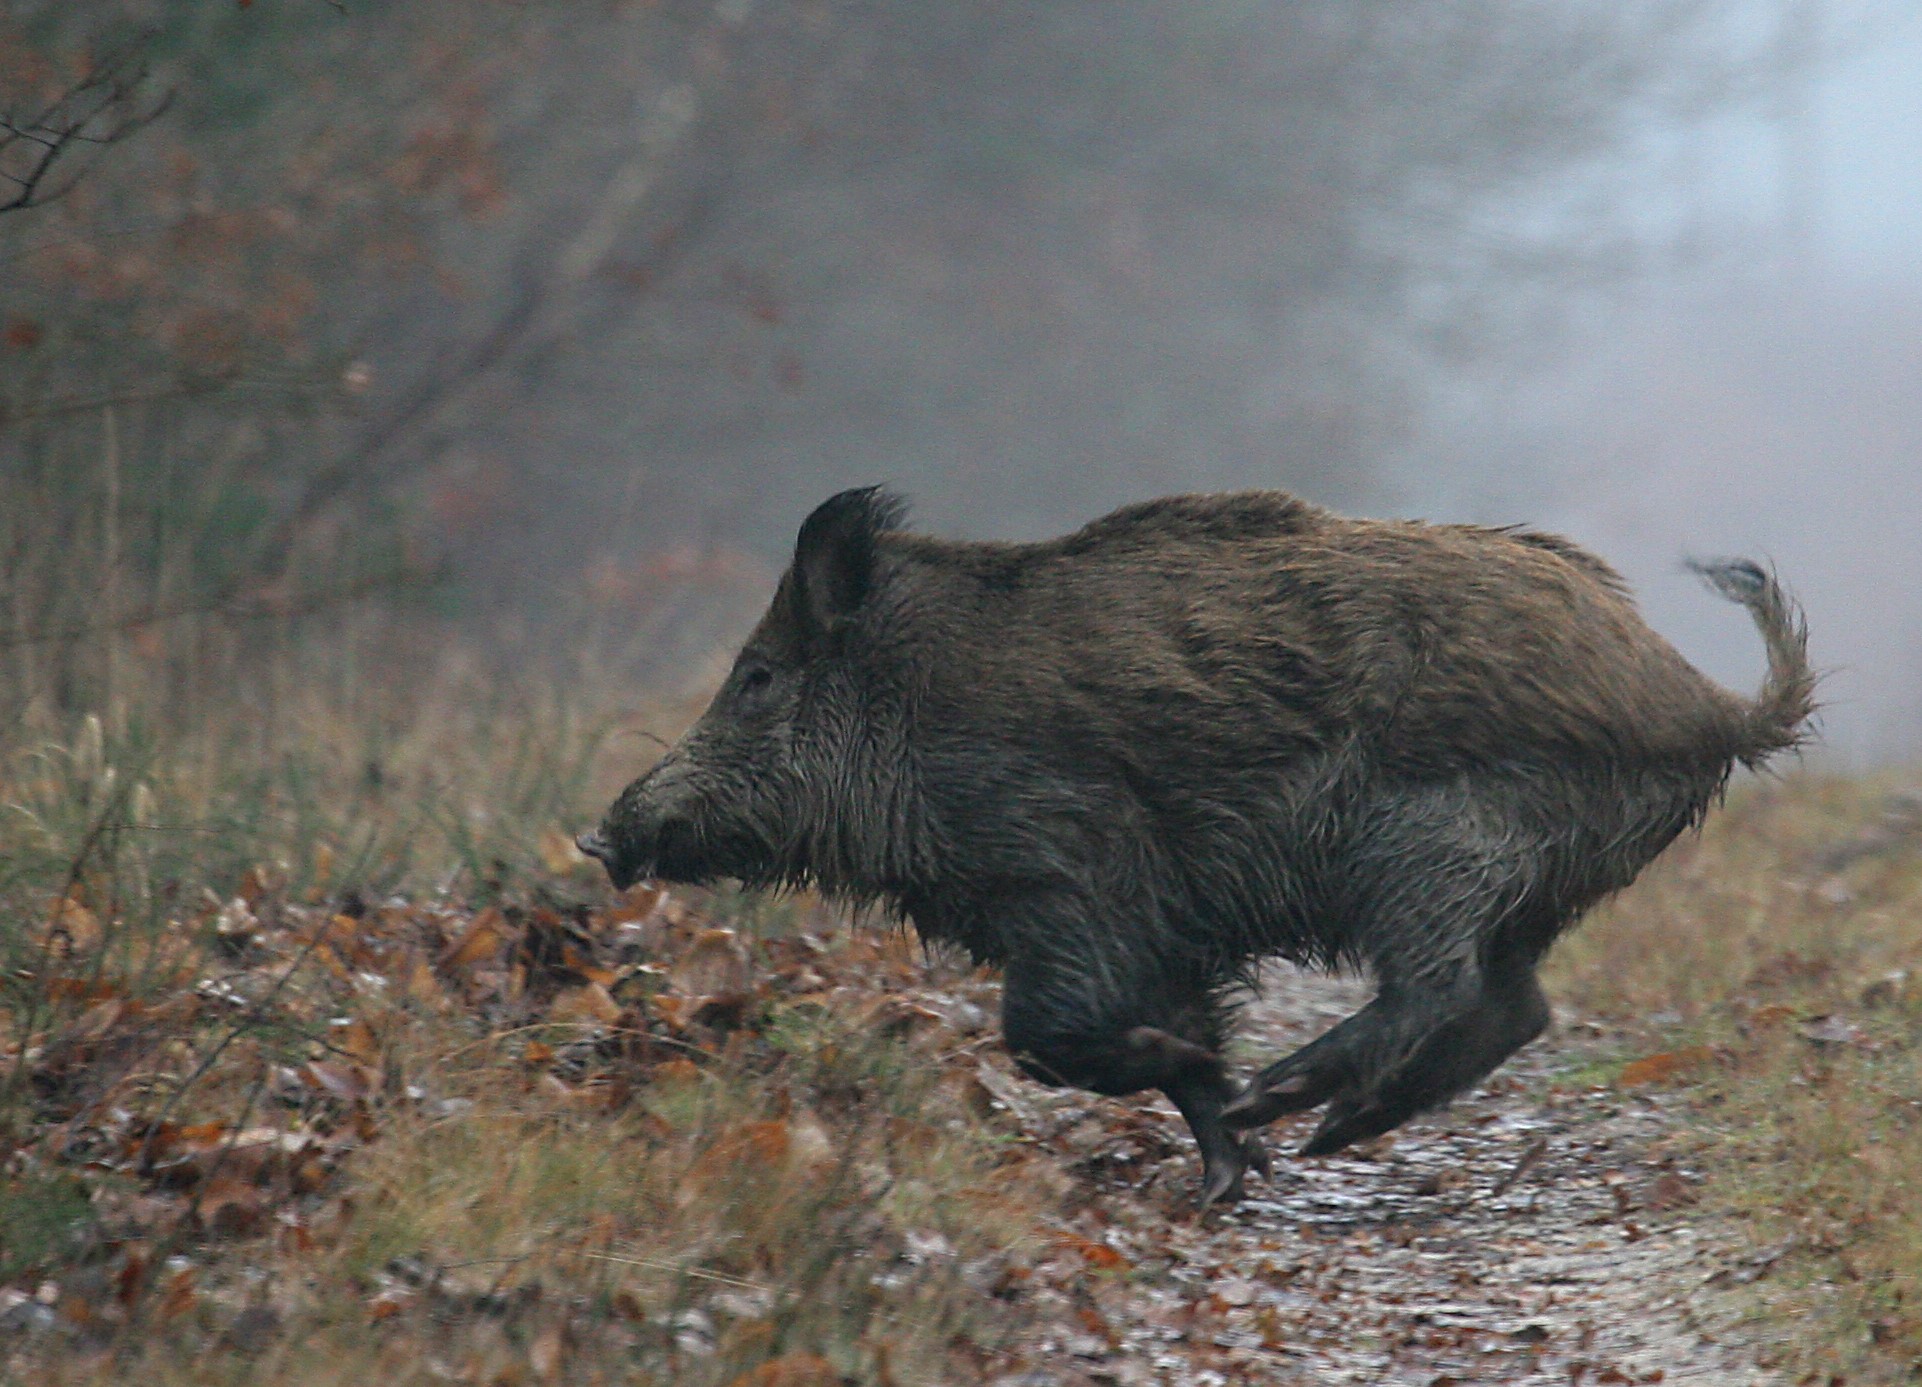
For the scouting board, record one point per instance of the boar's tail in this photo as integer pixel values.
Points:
(1778, 716)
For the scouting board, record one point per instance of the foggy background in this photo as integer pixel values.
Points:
(1760, 394)
(545, 309)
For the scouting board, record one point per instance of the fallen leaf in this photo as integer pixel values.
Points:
(355, 1038)
(791, 1370)
(558, 853)
(724, 1013)
(230, 1207)
(71, 929)
(256, 883)
(479, 942)
(1826, 1031)
(576, 962)
(1097, 1255)
(389, 1303)
(424, 987)
(291, 1231)
(714, 964)
(1669, 1191)
(676, 1071)
(1441, 1182)
(760, 1143)
(1268, 1323)
(1664, 1067)
(1523, 1164)
(324, 955)
(179, 1296)
(676, 1012)
(808, 1141)
(236, 923)
(82, 990)
(132, 1276)
(348, 1082)
(588, 1004)
(323, 866)
(1006, 1092)
(637, 903)
(898, 1018)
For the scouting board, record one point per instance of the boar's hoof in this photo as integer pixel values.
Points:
(1262, 1102)
(1349, 1120)
(1222, 1184)
(1222, 1176)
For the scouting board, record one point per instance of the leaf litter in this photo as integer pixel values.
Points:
(223, 1135)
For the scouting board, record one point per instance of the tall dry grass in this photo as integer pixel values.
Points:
(233, 832)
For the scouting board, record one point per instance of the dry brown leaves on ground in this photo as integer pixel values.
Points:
(517, 1143)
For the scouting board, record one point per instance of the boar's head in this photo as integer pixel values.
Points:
(785, 777)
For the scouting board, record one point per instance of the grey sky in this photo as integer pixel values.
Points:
(1765, 398)
(1867, 117)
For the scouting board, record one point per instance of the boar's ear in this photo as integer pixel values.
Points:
(835, 555)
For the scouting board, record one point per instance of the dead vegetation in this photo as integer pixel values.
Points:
(1776, 960)
(323, 1057)
(301, 1137)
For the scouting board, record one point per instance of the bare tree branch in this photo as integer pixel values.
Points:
(546, 305)
(103, 108)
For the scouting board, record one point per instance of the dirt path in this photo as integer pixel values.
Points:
(1535, 1232)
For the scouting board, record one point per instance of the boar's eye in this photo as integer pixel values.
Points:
(755, 678)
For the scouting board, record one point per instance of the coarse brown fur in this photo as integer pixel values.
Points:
(1128, 764)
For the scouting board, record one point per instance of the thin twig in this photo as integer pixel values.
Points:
(75, 867)
(103, 108)
(656, 1264)
(1527, 1163)
(239, 1028)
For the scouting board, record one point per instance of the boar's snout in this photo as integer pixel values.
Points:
(648, 832)
(593, 845)
(623, 869)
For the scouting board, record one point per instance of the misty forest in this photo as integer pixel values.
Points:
(588, 796)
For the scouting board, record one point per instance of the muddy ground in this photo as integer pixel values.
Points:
(1543, 1229)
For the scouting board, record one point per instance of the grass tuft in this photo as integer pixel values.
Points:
(1784, 941)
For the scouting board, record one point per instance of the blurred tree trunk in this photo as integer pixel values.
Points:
(597, 299)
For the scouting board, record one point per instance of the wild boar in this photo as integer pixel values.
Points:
(1128, 764)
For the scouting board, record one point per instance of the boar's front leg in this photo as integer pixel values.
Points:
(1225, 1155)
(1083, 1026)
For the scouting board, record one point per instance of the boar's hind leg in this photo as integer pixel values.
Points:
(1415, 1046)
(1447, 1060)
(1457, 895)
(1060, 1032)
